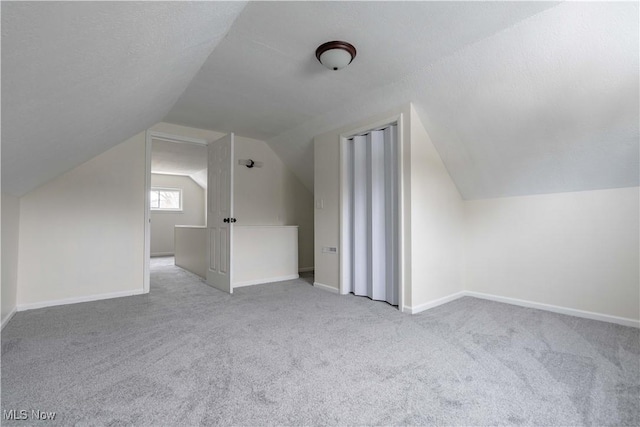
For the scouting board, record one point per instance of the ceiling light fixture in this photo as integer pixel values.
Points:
(336, 54)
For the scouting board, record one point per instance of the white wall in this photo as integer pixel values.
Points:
(270, 195)
(10, 227)
(81, 234)
(576, 250)
(433, 214)
(264, 254)
(326, 189)
(191, 249)
(163, 223)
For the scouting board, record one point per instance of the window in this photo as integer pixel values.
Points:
(166, 199)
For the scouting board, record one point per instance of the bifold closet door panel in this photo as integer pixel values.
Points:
(360, 246)
(391, 212)
(377, 216)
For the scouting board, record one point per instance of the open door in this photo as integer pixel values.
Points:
(220, 213)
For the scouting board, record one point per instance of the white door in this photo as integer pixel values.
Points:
(220, 213)
(374, 211)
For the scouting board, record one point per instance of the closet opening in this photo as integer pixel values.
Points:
(371, 215)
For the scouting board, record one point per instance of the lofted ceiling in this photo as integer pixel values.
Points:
(180, 159)
(264, 79)
(81, 77)
(518, 97)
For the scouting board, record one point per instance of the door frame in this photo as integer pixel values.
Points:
(150, 135)
(345, 211)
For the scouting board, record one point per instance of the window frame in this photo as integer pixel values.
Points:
(170, 210)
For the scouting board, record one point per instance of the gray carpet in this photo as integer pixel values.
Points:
(290, 354)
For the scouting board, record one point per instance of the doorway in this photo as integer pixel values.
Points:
(175, 185)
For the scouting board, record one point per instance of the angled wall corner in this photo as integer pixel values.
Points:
(437, 222)
(81, 234)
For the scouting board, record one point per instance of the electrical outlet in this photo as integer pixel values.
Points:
(320, 204)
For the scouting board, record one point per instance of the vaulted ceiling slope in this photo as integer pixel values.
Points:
(180, 159)
(518, 97)
(81, 77)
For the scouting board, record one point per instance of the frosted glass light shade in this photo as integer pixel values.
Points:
(335, 54)
(335, 59)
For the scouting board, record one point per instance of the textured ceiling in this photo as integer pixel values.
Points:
(180, 159)
(81, 77)
(518, 97)
(264, 79)
(547, 106)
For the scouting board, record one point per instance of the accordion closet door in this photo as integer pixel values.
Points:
(373, 182)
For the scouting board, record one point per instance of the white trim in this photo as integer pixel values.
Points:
(146, 261)
(557, 309)
(529, 304)
(75, 300)
(434, 303)
(232, 158)
(154, 254)
(345, 219)
(167, 211)
(326, 287)
(305, 269)
(177, 138)
(403, 261)
(268, 280)
(8, 317)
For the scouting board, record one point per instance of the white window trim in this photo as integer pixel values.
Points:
(159, 210)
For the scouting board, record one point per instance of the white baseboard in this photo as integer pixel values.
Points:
(8, 317)
(557, 309)
(524, 303)
(268, 280)
(305, 269)
(326, 287)
(434, 303)
(75, 300)
(155, 254)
